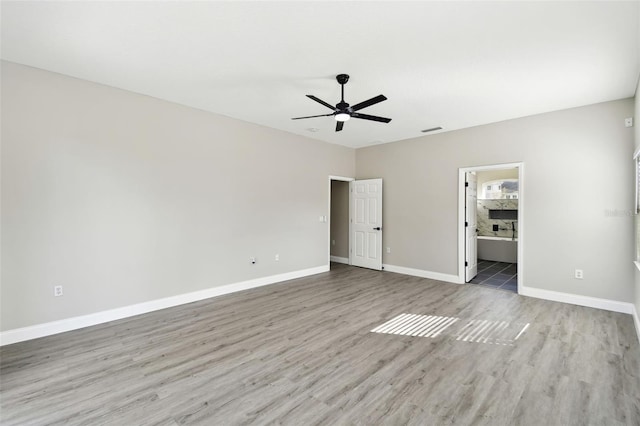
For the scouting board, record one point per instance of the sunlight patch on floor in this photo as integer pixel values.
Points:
(473, 331)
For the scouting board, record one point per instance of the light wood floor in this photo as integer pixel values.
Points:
(302, 353)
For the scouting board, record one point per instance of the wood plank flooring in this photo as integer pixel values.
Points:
(302, 353)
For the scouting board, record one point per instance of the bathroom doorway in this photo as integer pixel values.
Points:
(490, 226)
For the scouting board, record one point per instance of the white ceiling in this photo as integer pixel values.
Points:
(448, 64)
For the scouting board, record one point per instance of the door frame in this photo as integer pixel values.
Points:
(461, 216)
(342, 179)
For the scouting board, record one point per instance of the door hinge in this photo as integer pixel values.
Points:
(466, 184)
(466, 263)
(466, 224)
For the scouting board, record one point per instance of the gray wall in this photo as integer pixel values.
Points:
(636, 126)
(577, 168)
(123, 198)
(340, 218)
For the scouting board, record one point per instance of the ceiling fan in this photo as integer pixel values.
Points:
(343, 111)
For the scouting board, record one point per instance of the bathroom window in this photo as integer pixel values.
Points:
(506, 189)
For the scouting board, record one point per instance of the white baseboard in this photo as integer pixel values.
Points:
(636, 321)
(339, 259)
(423, 274)
(41, 330)
(576, 299)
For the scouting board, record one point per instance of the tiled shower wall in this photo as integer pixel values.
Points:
(485, 225)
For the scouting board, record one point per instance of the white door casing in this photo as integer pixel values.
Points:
(366, 223)
(471, 226)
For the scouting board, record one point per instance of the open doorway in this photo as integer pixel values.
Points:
(355, 222)
(339, 220)
(491, 207)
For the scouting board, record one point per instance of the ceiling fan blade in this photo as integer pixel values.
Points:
(370, 102)
(370, 117)
(312, 116)
(320, 101)
(339, 125)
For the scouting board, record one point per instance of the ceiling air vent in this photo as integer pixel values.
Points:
(433, 129)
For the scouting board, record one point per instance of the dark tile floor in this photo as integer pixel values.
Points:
(497, 275)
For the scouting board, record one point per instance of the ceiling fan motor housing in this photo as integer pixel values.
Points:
(343, 106)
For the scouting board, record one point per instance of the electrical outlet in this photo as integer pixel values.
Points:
(388, 249)
(57, 290)
(579, 275)
(252, 260)
(277, 257)
(628, 122)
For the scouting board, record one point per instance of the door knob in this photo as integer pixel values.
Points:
(377, 229)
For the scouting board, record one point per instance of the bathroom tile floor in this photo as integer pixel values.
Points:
(497, 275)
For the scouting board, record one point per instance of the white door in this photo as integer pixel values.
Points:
(471, 226)
(366, 223)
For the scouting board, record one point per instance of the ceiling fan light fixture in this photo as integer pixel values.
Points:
(342, 116)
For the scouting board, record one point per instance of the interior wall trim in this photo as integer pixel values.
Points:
(47, 329)
(576, 299)
(636, 321)
(339, 259)
(450, 278)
